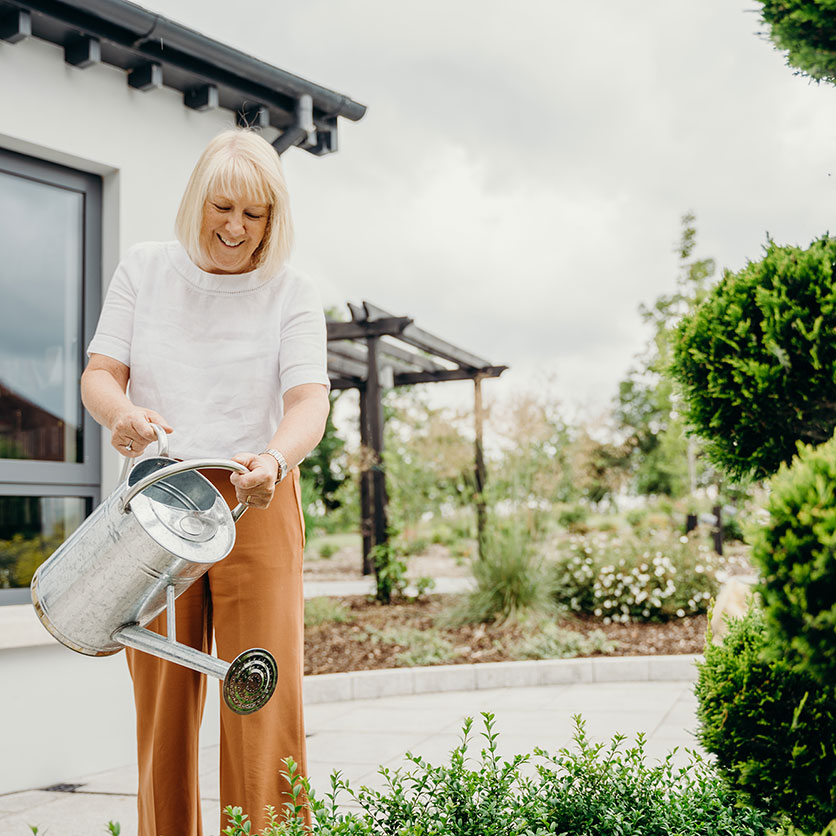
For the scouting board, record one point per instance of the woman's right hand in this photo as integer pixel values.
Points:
(131, 431)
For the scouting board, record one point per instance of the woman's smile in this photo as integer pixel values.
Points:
(231, 232)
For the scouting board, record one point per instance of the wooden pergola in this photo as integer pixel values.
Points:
(375, 351)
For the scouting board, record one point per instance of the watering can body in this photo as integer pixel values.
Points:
(161, 530)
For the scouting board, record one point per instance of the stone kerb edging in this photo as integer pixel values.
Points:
(357, 685)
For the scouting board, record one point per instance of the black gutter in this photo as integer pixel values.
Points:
(135, 28)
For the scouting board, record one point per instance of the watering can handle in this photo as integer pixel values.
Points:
(182, 467)
(162, 451)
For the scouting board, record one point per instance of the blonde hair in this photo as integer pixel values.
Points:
(239, 164)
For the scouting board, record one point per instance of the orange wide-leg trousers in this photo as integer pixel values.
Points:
(252, 598)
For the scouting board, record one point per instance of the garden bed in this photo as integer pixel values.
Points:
(364, 640)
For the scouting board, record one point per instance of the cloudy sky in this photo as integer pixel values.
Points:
(517, 183)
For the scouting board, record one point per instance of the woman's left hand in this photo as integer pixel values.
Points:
(255, 489)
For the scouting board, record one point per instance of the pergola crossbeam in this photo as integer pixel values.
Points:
(390, 326)
(428, 342)
(411, 378)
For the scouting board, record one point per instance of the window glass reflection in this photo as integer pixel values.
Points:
(41, 238)
(31, 529)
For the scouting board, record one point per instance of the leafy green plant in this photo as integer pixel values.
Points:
(327, 551)
(550, 641)
(390, 570)
(624, 578)
(806, 30)
(592, 789)
(422, 587)
(572, 516)
(603, 789)
(420, 647)
(511, 579)
(771, 727)
(325, 610)
(757, 360)
(795, 552)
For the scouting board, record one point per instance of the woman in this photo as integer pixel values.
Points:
(216, 339)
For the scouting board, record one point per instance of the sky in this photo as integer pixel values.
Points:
(517, 183)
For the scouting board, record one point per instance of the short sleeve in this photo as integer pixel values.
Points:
(303, 348)
(115, 329)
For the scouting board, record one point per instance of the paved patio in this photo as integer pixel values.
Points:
(355, 736)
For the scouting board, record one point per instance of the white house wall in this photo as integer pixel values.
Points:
(65, 715)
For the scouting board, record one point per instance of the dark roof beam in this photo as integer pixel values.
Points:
(147, 76)
(339, 383)
(448, 374)
(390, 326)
(419, 360)
(82, 51)
(428, 342)
(15, 25)
(203, 97)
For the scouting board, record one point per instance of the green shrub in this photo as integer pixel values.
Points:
(324, 610)
(420, 646)
(771, 728)
(635, 516)
(327, 551)
(550, 641)
(758, 359)
(626, 578)
(415, 545)
(807, 31)
(572, 515)
(593, 789)
(511, 579)
(607, 791)
(796, 552)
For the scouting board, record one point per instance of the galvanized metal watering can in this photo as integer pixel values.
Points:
(162, 528)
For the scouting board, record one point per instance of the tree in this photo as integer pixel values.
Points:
(428, 458)
(806, 30)
(647, 410)
(757, 361)
(534, 469)
(323, 470)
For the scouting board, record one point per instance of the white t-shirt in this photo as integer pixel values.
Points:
(213, 354)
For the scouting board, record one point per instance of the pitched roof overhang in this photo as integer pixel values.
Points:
(155, 51)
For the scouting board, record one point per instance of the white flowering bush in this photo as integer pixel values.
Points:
(619, 578)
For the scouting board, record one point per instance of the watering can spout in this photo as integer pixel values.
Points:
(248, 681)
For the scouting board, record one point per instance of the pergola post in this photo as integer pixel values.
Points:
(374, 412)
(479, 468)
(366, 520)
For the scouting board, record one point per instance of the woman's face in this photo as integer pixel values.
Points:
(230, 233)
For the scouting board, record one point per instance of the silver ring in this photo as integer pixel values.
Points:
(129, 444)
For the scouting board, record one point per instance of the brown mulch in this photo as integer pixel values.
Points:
(350, 646)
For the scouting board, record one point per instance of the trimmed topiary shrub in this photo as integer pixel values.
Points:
(772, 728)
(758, 359)
(806, 29)
(796, 552)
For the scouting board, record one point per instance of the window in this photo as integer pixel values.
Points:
(50, 291)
